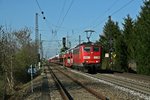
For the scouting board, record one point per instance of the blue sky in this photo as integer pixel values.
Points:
(72, 17)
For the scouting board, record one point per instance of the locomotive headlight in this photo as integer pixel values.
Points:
(86, 57)
(96, 57)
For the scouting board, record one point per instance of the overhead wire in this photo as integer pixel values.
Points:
(38, 5)
(94, 26)
(107, 10)
(61, 12)
(59, 19)
(43, 15)
(67, 12)
(98, 17)
(61, 23)
(65, 15)
(125, 5)
(122, 7)
(42, 12)
(44, 18)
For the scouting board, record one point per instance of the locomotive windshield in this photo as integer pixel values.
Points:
(87, 49)
(96, 49)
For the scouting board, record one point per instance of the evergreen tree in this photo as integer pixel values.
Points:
(142, 31)
(111, 32)
(128, 32)
(129, 40)
(115, 44)
(104, 43)
(121, 55)
(120, 50)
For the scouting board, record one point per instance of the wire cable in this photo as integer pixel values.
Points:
(125, 5)
(100, 16)
(107, 10)
(43, 15)
(62, 10)
(65, 15)
(122, 7)
(38, 5)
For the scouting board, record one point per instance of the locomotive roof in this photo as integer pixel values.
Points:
(84, 43)
(87, 44)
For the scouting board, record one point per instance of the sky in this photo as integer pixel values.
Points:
(65, 18)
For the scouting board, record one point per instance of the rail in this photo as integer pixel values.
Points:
(64, 93)
(96, 94)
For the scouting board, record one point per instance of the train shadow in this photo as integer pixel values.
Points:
(108, 71)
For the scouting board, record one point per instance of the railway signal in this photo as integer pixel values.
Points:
(64, 42)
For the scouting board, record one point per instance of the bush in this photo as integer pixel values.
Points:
(1, 86)
(105, 64)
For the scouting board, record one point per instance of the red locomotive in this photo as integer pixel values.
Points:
(86, 56)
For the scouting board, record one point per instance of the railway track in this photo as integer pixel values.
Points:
(131, 89)
(142, 90)
(45, 89)
(143, 78)
(65, 92)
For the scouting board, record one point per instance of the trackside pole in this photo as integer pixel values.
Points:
(31, 78)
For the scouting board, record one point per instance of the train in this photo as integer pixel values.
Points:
(85, 57)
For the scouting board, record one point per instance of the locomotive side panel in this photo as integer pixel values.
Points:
(77, 56)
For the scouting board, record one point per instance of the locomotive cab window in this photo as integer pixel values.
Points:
(87, 49)
(96, 49)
